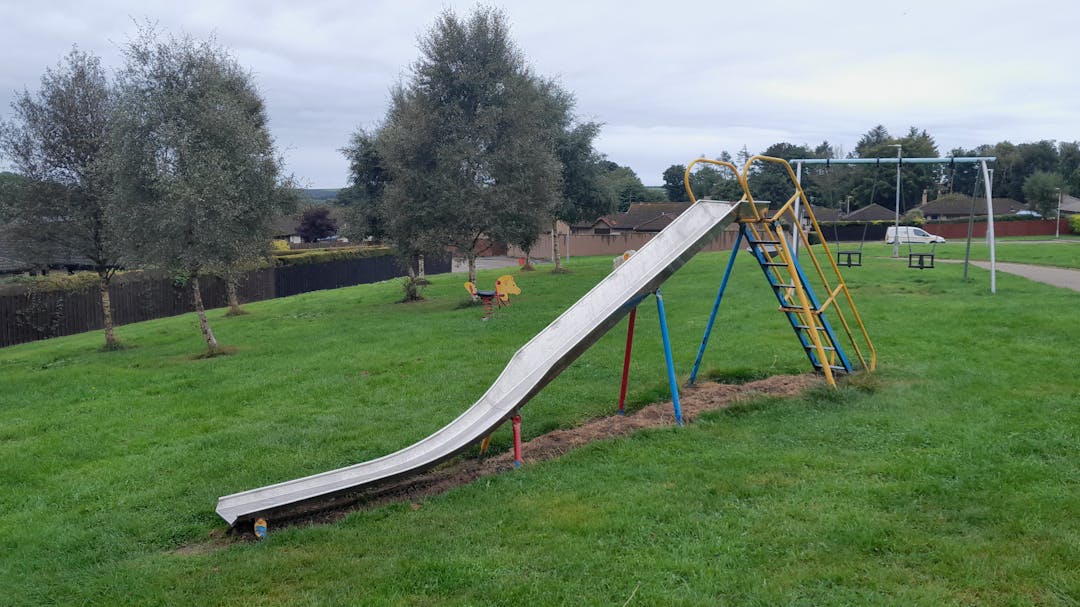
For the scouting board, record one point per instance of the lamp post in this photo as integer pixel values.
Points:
(1057, 222)
(896, 223)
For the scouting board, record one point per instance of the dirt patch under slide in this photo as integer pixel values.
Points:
(463, 470)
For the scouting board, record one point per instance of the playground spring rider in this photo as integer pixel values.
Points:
(500, 296)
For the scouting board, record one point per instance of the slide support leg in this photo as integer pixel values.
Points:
(716, 306)
(626, 361)
(517, 440)
(667, 356)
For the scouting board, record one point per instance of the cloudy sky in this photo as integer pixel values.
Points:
(669, 81)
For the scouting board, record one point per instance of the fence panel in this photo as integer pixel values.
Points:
(29, 314)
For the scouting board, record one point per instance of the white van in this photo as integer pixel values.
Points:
(911, 235)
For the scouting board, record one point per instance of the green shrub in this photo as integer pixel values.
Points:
(1074, 224)
(306, 256)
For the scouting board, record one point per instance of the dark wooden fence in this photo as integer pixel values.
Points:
(29, 314)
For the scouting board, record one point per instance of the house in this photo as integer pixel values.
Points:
(287, 227)
(825, 213)
(640, 217)
(954, 206)
(1070, 205)
(12, 256)
(871, 212)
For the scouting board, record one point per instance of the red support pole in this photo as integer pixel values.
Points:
(517, 441)
(626, 361)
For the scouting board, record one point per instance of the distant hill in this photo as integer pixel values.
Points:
(318, 196)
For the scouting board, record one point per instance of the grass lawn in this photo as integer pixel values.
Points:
(1063, 253)
(950, 477)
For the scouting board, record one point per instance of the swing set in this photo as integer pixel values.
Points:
(917, 260)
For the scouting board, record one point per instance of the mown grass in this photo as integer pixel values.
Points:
(1064, 252)
(950, 477)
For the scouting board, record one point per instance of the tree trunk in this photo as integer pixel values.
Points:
(234, 298)
(555, 246)
(211, 343)
(111, 342)
(471, 256)
(420, 266)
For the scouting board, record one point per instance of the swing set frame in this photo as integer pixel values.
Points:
(900, 162)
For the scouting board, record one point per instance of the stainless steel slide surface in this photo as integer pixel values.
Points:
(530, 369)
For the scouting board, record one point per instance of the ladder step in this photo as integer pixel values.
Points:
(835, 368)
(774, 263)
(806, 328)
(782, 285)
(793, 309)
(755, 243)
(826, 348)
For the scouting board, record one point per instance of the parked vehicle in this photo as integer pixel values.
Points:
(911, 235)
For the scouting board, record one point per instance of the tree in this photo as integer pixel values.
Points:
(57, 141)
(673, 183)
(469, 140)
(363, 198)
(316, 223)
(624, 184)
(199, 178)
(584, 194)
(1041, 191)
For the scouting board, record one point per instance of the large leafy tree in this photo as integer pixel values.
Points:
(469, 141)
(625, 185)
(674, 186)
(199, 178)
(56, 140)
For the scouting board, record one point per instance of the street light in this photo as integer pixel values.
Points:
(896, 223)
(1057, 222)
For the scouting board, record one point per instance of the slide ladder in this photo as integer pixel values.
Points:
(774, 238)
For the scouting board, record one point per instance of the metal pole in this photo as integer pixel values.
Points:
(517, 440)
(798, 214)
(990, 224)
(667, 356)
(716, 305)
(1057, 222)
(896, 222)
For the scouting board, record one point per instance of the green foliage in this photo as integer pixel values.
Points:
(674, 185)
(1074, 224)
(200, 179)
(626, 186)
(1041, 192)
(469, 141)
(298, 257)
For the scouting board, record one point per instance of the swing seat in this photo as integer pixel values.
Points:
(920, 261)
(849, 258)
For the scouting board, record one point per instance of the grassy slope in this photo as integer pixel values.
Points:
(950, 478)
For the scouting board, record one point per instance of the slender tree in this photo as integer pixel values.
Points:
(57, 141)
(469, 140)
(199, 178)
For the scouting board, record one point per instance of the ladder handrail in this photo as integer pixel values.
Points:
(788, 209)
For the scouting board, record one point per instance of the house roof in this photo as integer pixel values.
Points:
(1070, 204)
(645, 216)
(871, 212)
(959, 205)
(825, 213)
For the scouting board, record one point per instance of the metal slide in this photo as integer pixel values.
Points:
(529, 370)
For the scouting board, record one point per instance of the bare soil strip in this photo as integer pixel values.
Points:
(463, 470)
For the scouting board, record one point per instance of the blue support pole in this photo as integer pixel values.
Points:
(667, 355)
(716, 305)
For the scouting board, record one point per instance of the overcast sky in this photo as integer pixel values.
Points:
(668, 80)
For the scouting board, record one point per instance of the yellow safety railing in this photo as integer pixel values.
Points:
(786, 212)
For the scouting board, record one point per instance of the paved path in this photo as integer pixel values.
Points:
(1058, 277)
